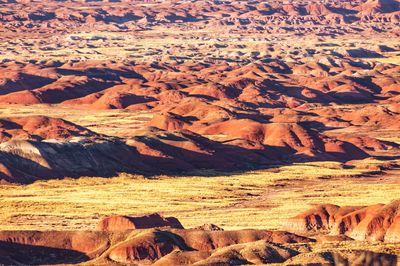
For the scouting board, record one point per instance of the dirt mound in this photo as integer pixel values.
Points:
(214, 91)
(19, 80)
(27, 161)
(168, 121)
(21, 97)
(354, 257)
(377, 222)
(259, 252)
(372, 223)
(119, 101)
(34, 247)
(40, 128)
(119, 223)
(209, 227)
(183, 258)
(145, 248)
(370, 144)
(314, 220)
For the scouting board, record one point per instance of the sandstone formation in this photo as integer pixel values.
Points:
(120, 223)
(366, 223)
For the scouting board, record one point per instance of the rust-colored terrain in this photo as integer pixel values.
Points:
(165, 89)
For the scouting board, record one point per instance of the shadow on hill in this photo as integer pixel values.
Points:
(119, 19)
(28, 161)
(101, 73)
(25, 82)
(276, 89)
(24, 254)
(365, 258)
(159, 152)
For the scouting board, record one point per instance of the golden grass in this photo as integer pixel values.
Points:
(124, 122)
(391, 58)
(261, 199)
(391, 139)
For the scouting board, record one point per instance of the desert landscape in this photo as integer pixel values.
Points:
(201, 132)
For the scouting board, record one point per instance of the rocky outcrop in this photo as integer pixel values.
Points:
(40, 128)
(209, 227)
(27, 161)
(366, 223)
(119, 223)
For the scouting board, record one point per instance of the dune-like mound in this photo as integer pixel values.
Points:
(373, 116)
(25, 161)
(168, 121)
(40, 128)
(370, 144)
(367, 223)
(314, 220)
(179, 257)
(19, 80)
(145, 248)
(353, 257)
(259, 252)
(209, 227)
(33, 247)
(118, 101)
(119, 223)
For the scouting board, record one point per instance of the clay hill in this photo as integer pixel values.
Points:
(378, 222)
(200, 116)
(158, 240)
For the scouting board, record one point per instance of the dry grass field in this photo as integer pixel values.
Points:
(261, 199)
(120, 123)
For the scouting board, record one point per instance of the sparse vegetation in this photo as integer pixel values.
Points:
(261, 199)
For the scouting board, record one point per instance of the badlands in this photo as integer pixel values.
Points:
(139, 132)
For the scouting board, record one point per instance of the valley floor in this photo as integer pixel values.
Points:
(259, 200)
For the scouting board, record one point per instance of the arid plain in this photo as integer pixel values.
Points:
(260, 132)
